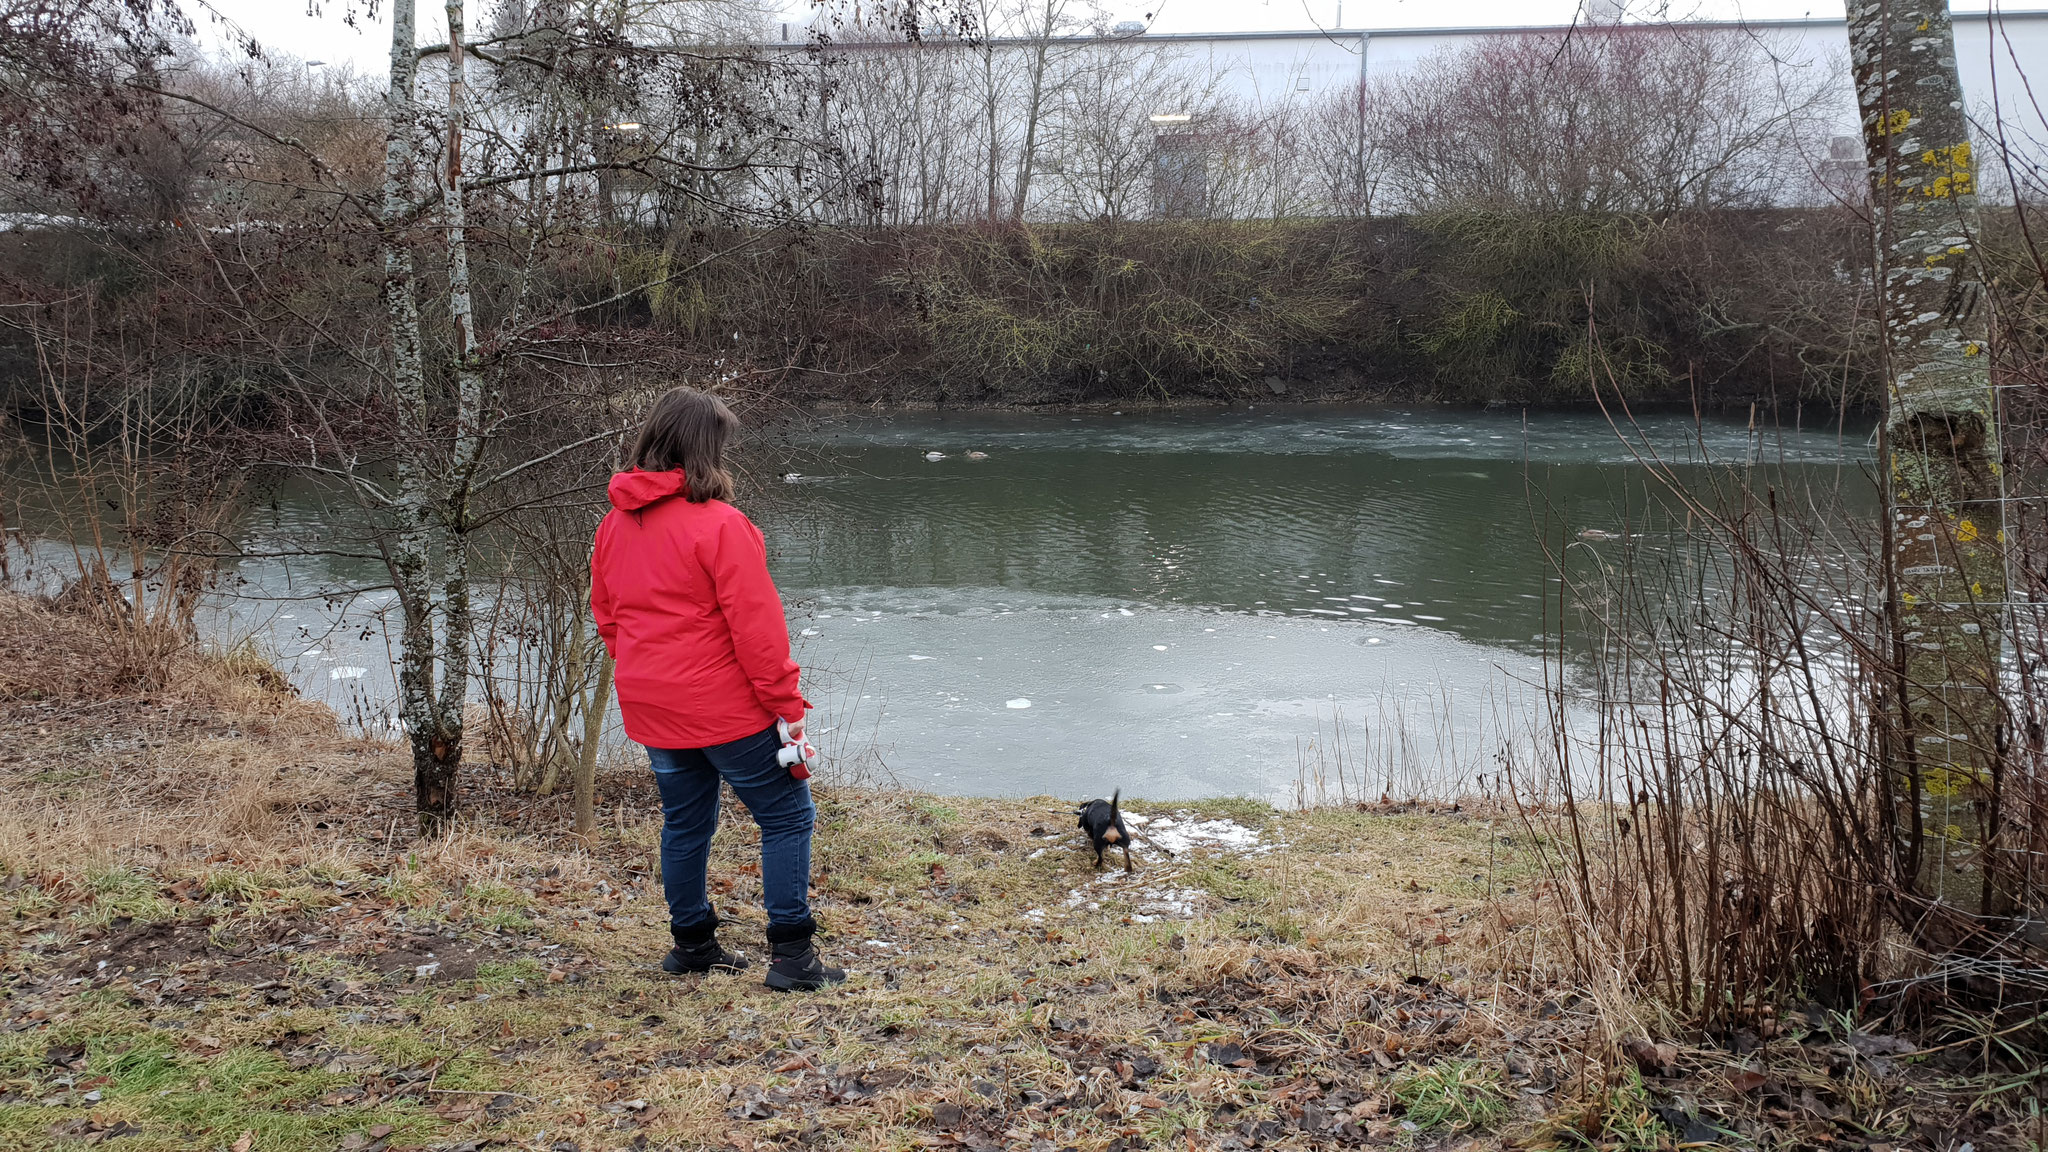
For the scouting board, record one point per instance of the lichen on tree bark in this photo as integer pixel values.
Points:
(1945, 534)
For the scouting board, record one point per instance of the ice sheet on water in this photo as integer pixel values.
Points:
(1409, 434)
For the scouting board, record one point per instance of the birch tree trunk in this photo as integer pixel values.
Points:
(1944, 526)
(412, 555)
(437, 759)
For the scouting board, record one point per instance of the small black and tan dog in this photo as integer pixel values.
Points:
(1105, 826)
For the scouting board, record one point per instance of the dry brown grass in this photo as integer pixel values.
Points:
(219, 903)
(98, 767)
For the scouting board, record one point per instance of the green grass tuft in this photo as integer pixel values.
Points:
(1461, 1095)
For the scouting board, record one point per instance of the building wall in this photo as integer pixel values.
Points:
(1992, 56)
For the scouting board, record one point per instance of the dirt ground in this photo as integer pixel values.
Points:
(220, 932)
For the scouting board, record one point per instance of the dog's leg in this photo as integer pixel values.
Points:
(1127, 858)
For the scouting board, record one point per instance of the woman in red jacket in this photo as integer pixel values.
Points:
(679, 585)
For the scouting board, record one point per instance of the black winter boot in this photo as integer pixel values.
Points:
(796, 967)
(697, 950)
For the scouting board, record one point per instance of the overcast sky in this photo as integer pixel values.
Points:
(314, 29)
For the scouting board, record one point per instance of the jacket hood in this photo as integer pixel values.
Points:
(632, 491)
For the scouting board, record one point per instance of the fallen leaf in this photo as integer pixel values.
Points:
(1228, 1054)
(1651, 1059)
(246, 1142)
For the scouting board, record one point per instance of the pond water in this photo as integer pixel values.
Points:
(1214, 602)
(1177, 605)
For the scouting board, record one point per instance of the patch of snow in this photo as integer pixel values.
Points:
(1182, 837)
(1019, 702)
(1167, 904)
(347, 672)
(1149, 902)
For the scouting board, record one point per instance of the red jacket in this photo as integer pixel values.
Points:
(683, 600)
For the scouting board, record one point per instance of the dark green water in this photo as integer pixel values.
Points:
(1441, 519)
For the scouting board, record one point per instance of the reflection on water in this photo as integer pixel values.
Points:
(1433, 519)
(1176, 605)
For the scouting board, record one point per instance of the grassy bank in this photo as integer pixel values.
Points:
(221, 933)
(1723, 309)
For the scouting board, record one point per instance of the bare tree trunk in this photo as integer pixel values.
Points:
(435, 773)
(412, 554)
(991, 100)
(1945, 530)
(1034, 108)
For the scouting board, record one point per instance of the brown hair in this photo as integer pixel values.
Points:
(687, 429)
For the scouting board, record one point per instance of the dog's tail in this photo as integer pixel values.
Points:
(1113, 798)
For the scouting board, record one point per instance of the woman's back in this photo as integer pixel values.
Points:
(683, 598)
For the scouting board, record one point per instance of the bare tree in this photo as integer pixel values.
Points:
(1104, 132)
(1650, 120)
(268, 235)
(1050, 30)
(1345, 150)
(74, 94)
(1944, 520)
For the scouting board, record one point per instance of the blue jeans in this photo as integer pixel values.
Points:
(780, 804)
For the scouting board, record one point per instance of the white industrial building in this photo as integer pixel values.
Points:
(1993, 52)
(1997, 56)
